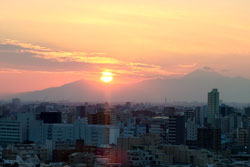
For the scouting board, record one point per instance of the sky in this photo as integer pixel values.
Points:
(45, 43)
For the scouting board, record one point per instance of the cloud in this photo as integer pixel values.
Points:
(226, 70)
(9, 71)
(62, 56)
(26, 56)
(24, 45)
(188, 65)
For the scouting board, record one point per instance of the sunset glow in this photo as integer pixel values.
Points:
(138, 40)
(106, 77)
(124, 83)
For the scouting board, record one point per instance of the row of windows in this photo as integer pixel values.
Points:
(11, 125)
(9, 128)
(9, 135)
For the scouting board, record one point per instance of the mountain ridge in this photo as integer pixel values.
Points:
(191, 87)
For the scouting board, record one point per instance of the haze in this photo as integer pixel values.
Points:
(49, 43)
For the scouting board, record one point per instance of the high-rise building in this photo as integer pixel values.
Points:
(191, 132)
(176, 134)
(209, 138)
(213, 108)
(26, 119)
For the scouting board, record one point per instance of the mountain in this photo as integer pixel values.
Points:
(191, 87)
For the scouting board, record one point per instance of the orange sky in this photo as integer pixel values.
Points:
(47, 43)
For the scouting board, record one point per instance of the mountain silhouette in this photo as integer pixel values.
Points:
(191, 87)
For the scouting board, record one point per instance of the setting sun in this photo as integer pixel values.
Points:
(107, 77)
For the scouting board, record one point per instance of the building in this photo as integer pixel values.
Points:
(16, 102)
(26, 120)
(213, 108)
(10, 132)
(247, 111)
(101, 118)
(176, 126)
(58, 132)
(81, 112)
(51, 117)
(1, 153)
(226, 110)
(242, 137)
(209, 138)
(168, 111)
(191, 132)
(200, 115)
(97, 135)
(184, 155)
(141, 155)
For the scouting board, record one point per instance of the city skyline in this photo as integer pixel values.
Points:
(127, 134)
(124, 83)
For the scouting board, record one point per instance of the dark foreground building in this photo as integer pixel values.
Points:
(209, 138)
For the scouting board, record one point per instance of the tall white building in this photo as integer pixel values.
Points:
(191, 130)
(96, 135)
(213, 108)
(26, 120)
(58, 132)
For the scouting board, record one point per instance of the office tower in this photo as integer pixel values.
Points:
(209, 138)
(26, 119)
(176, 134)
(191, 132)
(213, 108)
(200, 115)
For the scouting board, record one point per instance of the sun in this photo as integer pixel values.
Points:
(106, 77)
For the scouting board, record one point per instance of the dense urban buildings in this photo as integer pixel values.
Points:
(124, 135)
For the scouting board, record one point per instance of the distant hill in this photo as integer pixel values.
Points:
(191, 87)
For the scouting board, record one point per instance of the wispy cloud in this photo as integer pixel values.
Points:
(62, 56)
(97, 60)
(24, 45)
(193, 65)
(9, 71)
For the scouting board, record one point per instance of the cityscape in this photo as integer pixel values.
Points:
(47, 134)
(124, 83)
